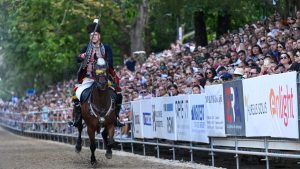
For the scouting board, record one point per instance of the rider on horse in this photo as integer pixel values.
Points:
(85, 74)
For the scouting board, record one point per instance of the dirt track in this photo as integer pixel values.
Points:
(17, 152)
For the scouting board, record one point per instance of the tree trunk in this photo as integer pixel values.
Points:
(298, 5)
(137, 33)
(223, 23)
(200, 29)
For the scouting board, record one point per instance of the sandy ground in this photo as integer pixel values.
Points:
(17, 152)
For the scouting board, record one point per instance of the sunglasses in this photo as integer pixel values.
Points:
(208, 72)
(259, 59)
(280, 46)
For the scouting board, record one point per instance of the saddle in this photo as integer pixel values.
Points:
(87, 92)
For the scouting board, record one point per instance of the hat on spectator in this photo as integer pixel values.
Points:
(238, 71)
(226, 76)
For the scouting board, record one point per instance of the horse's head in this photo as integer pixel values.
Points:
(100, 74)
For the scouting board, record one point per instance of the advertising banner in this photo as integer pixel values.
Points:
(233, 108)
(198, 118)
(215, 110)
(270, 104)
(157, 116)
(147, 114)
(183, 122)
(169, 118)
(137, 119)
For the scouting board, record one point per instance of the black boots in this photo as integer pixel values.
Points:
(118, 108)
(77, 118)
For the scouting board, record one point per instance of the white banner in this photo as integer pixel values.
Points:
(147, 116)
(169, 118)
(183, 122)
(271, 105)
(157, 111)
(197, 116)
(137, 119)
(215, 110)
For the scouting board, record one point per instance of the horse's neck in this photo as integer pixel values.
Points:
(100, 95)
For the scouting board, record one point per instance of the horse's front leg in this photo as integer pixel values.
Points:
(91, 134)
(78, 145)
(110, 141)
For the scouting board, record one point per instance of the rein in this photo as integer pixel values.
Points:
(94, 109)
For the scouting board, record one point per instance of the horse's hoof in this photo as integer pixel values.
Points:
(93, 163)
(77, 149)
(108, 155)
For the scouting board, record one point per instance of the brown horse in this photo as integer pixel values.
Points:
(99, 111)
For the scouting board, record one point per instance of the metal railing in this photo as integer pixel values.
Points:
(60, 131)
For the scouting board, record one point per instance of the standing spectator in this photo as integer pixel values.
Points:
(274, 50)
(130, 63)
(237, 45)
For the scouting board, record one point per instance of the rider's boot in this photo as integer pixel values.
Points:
(118, 108)
(77, 118)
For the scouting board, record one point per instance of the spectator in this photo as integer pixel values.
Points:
(172, 90)
(254, 72)
(196, 89)
(238, 74)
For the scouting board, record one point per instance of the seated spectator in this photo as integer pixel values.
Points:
(172, 90)
(130, 63)
(238, 73)
(254, 72)
(297, 56)
(196, 89)
(285, 60)
(210, 75)
(162, 92)
(294, 67)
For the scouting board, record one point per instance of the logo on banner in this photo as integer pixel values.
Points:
(168, 107)
(214, 99)
(232, 108)
(255, 108)
(181, 109)
(281, 103)
(137, 119)
(147, 118)
(198, 112)
(156, 118)
(170, 124)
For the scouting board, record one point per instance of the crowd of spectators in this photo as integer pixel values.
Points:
(266, 47)
(270, 46)
(52, 105)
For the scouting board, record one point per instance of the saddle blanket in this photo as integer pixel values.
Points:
(86, 83)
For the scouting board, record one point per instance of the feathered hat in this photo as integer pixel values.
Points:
(91, 28)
